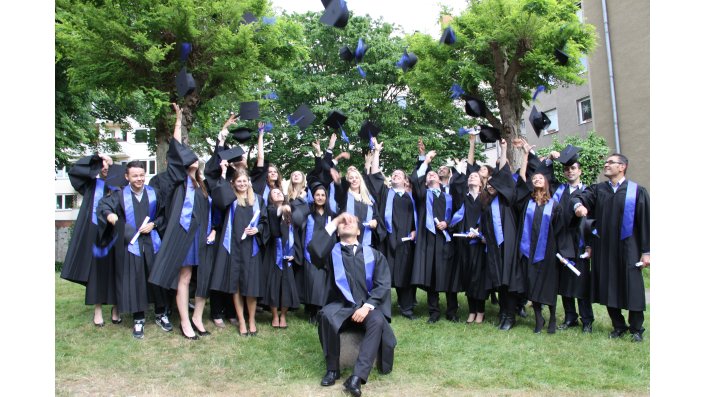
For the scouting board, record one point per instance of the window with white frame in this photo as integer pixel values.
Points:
(65, 201)
(141, 135)
(61, 173)
(553, 116)
(151, 166)
(584, 110)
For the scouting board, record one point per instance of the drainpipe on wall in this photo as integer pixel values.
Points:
(611, 72)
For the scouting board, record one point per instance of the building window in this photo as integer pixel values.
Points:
(584, 110)
(553, 116)
(151, 167)
(120, 135)
(65, 201)
(141, 135)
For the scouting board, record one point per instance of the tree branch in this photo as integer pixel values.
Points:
(522, 49)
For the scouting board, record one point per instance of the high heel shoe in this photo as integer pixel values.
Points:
(198, 331)
(194, 337)
(115, 312)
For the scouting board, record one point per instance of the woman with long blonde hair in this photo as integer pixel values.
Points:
(237, 268)
(351, 195)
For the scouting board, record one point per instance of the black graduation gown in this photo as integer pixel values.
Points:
(280, 288)
(338, 309)
(177, 242)
(616, 282)
(432, 265)
(238, 270)
(570, 285)
(341, 197)
(316, 279)
(542, 276)
(471, 258)
(134, 293)
(502, 269)
(300, 206)
(400, 255)
(80, 266)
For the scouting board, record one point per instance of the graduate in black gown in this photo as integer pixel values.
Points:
(89, 177)
(432, 267)
(238, 262)
(280, 291)
(620, 208)
(297, 197)
(188, 233)
(399, 213)
(542, 234)
(360, 297)
(499, 227)
(122, 214)
(572, 287)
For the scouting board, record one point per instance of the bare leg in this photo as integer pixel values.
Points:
(282, 318)
(115, 314)
(237, 300)
(251, 311)
(182, 301)
(275, 317)
(197, 317)
(98, 314)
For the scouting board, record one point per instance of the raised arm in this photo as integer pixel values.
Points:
(526, 148)
(503, 153)
(260, 144)
(471, 151)
(177, 123)
(375, 156)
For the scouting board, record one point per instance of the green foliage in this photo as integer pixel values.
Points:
(592, 157)
(57, 266)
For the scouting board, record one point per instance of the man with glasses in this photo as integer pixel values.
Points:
(620, 208)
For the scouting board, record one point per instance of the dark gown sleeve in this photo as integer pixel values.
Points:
(564, 242)
(376, 186)
(258, 176)
(111, 204)
(263, 224)
(321, 246)
(299, 212)
(587, 198)
(222, 194)
(212, 169)
(84, 171)
(642, 219)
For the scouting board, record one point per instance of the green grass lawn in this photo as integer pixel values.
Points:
(430, 359)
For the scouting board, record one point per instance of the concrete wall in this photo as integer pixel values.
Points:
(629, 40)
(62, 233)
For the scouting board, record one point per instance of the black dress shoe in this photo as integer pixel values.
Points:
(198, 331)
(353, 385)
(637, 337)
(522, 311)
(539, 324)
(508, 323)
(194, 337)
(329, 378)
(587, 328)
(568, 324)
(551, 325)
(617, 333)
(502, 319)
(118, 321)
(453, 318)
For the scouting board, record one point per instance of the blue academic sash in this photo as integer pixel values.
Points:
(629, 208)
(130, 218)
(497, 221)
(430, 225)
(559, 192)
(367, 232)
(525, 246)
(341, 280)
(187, 208)
(229, 225)
(99, 189)
(265, 196)
(284, 251)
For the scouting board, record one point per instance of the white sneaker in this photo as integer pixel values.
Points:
(163, 322)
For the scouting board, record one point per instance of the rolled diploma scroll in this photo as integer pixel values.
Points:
(252, 223)
(584, 255)
(146, 220)
(567, 263)
(639, 264)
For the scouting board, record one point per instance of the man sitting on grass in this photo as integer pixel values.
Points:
(360, 297)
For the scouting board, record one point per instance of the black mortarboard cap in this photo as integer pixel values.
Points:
(241, 134)
(475, 107)
(185, 155)
(302, 117)
(231, 155)
(335, 119)
(587, 228)
(346, 54)
(315, 185)
(325, 3)
(185, 84)
(249, 17)
(336, 14)
(368, 129)
(448, 36)
(561, 56)
(116, 176)
(489, 134)
(407, 61)
(249, 110)
(569, 155)
(538, 120)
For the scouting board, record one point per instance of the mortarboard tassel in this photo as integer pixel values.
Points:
(463, 131)
(293, 121)
(343, 136)
(268, 127)
(362, 72)
(185, 51)
(538, 91)
(271, 95)
(360, 50)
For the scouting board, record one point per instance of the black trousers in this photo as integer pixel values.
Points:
(476, 305)
(507, 301)
(369, 347)
(636, 320)
(222, 305)
(405, 299)
(434, 309)
(584, 306)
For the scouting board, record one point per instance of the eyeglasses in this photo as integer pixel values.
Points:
(610, 162)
